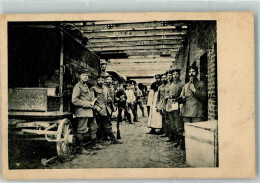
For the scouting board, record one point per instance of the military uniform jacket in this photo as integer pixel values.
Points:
(112, 93)
(167, 93)
(194, 102)
(160, 98)
(102, 96)
(174, 93)
(82, 98)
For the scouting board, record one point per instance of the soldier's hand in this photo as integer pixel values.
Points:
(192, 88)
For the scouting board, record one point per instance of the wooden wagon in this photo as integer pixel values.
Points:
(36, 111)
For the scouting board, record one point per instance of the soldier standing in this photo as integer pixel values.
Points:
(167, 93)
(121, 103)
(160, 104)
(172, 106)
(194, 96)
(154, 121)
(111, 90)
(130, 98)
(139, 102)
(103, 111)
(83, 99)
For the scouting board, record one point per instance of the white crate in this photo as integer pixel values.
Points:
(201, 144)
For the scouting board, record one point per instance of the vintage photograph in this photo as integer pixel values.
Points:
(112, 94)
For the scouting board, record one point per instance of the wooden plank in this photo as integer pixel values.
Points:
(123, 25)
(152, 56)
(155, 47)
(150, 73)
(134, 43)
(141, 60)
(136, 38)
(131, 52)
(138, 53)
(38, 114)
(27, 99)
(132, 28)
(134, 33)
(40, 132)
(139, 67)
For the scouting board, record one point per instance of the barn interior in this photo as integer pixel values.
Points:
(139, 50)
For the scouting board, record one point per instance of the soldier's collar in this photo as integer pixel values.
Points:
(83, 83)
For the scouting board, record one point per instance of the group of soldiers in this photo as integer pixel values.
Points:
(94, 107)
(178, 102)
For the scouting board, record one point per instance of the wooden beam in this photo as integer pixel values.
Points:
(123, 25)
(136, 38)
(141, 60)
(139, 67)
(155, 47)
(172, 56)
(142, 73)
(138, 53)
(134, 43)
(91, 35)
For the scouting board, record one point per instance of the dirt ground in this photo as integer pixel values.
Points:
(139, 150)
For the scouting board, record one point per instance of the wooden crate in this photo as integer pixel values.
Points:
(201, 143)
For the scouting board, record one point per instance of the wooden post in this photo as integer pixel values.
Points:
(61, 72)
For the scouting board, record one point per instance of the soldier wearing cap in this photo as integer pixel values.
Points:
(172, 106)
(154, 88)
(130, 98)
(83, 99)
(154, 118)
(194, 96)
(102, 110)
(139, 95)
(111, 90)
(167, 131)
(121, 99)
(160, 104)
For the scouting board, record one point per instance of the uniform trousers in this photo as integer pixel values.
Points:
(104, 127)
(122, 107)
(86, 125)
(163, 114)
(176, 121)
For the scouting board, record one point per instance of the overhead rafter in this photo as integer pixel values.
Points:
(122, 25)
(144, 53)
(141, 60)
(134, 43)
(134, 33)
(146, 47)
(136, 38)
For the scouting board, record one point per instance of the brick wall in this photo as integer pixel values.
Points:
(212, 84)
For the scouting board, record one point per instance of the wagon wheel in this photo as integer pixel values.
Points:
(65, 139)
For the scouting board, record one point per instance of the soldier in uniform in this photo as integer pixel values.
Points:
(103, 111)
(83, 99)
(121, 99)
(130, 99)
(154, 118)
(111, 90)
(167, 93)
(160, 104)
(172, 106)
(194, 96)
(153, 89)
(139, 96)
